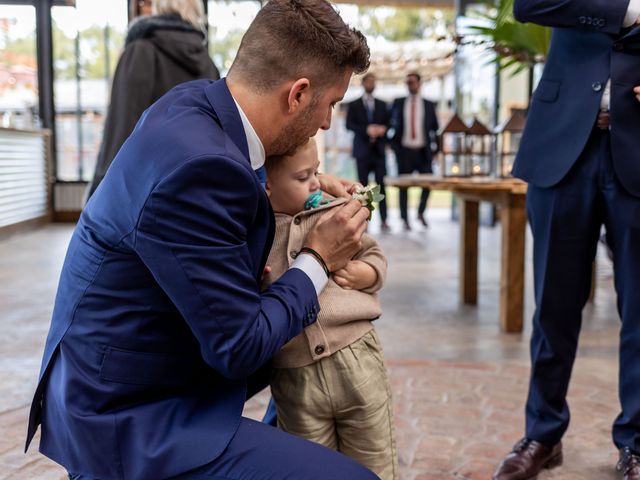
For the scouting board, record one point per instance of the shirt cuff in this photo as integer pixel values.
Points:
(633, 12)
(313, 269)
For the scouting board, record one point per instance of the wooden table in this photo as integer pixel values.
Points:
(509, 195)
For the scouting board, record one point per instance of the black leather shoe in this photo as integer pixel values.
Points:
(527, 459)
(629, 464)
(423, 220)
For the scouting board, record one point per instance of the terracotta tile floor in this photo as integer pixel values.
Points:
(459, 384)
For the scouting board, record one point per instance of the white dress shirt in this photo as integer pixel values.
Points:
(307, 263)
(633, 12)
(419, 141)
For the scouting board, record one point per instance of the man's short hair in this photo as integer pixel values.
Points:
(367, 76)
(291, 39)
(414, 74)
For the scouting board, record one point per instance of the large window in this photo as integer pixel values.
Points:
(87, 42)
(18, 67)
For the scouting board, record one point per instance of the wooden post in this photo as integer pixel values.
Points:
(469, 219)
(513, 217)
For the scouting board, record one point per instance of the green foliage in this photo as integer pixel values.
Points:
(223, 50)
(92, 52)
(517, 45)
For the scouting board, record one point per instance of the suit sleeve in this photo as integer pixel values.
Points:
(395, 121)
(353, 122)
(193, 235)
(599, 15)
(372, 255)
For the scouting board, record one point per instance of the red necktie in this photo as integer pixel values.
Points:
(412, 116)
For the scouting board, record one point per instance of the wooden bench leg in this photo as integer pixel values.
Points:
(513, 217)
(469, 219)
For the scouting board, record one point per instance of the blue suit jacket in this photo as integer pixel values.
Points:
(429, 125)
(159, 322)
(358, 121)
(588, 47)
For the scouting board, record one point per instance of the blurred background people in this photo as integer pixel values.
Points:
(161, 50)
(415, 128)
(368, 118)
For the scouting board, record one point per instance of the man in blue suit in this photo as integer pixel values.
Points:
(579, 154)
(160, 331)
(414, 128)
(368, 119)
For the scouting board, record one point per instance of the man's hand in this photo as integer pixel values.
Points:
(376, 130)
(355, 275)
(337, 234)
(637, 92)
(338, 187)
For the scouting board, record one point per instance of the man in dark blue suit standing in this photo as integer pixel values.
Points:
(579, 154)
(368, 118)
(415, 127)
(160, 330)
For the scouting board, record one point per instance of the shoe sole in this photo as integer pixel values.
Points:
(553, 462)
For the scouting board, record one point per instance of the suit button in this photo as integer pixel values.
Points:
(596, 86)
(319, 349)
(294, 253)
(618, 47)
(297, 220)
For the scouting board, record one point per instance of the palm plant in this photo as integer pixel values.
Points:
(517, 45)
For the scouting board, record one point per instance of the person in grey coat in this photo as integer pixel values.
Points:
(161, 51)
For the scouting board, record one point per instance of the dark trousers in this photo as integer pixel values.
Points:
(411, 160)
(374, 162)
(260, 452)
(566, 221)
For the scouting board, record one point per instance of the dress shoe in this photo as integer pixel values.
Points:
(527, 459)
(384, 227)
(407, 227)
(629, 464)
(423, 220)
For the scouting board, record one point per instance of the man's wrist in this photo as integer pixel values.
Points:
(318, 257)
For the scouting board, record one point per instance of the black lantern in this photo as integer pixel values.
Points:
(510, 133)
(479, 139)
(454, 158)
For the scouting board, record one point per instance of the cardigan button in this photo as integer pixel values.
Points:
(297, 220)
(294, 254)
(597, 86)
(319, 349)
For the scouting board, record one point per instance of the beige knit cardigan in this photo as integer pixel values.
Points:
(345, 315)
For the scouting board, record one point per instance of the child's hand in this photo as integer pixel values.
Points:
(356, 275)
(265, 272)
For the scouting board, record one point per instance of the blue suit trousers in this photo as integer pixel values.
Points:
(261, 452)
(566, 220)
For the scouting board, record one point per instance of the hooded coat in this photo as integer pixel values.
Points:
(160, 52)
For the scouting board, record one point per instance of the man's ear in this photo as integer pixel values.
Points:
(299, 95)
(267, 188)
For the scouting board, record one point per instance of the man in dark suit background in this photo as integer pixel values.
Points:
(368, 118)
(415, 129)
(160, 330)
(579, 153)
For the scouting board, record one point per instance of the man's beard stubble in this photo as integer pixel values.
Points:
(296, 133)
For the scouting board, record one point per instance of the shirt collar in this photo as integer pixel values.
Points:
(256, 149)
